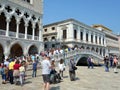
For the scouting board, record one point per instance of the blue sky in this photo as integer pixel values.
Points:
(105, 12)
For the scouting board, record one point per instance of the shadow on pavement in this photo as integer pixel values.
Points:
(55, 88)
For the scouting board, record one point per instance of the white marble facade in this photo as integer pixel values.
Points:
(21, 27)
(86, 36)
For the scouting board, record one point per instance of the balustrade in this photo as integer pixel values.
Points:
(21, 35)
(71, 53)
(2, 32)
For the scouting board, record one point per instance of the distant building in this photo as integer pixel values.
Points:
(20, 27)
(112, 41)
(72, 33)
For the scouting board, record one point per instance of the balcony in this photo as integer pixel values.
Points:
(21, 35)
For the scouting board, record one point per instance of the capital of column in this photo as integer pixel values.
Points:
(18, 21)
(26, 24)
(7, 19)
(33, 25)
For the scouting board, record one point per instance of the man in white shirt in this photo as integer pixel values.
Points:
(46, 68)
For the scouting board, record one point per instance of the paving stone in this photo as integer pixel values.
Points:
(86, 79)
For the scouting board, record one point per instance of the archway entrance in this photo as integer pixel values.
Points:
(1, 54)
(82, 61)
(16, 50)
(33, 50)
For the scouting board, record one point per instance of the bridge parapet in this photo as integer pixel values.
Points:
(74, 53)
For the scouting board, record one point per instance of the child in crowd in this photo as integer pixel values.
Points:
(22, 73)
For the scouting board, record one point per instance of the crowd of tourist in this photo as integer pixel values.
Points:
(13, 70)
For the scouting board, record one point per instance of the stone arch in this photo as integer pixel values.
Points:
(97, 50)
(92, 49)
(22, 26)
(82, 61)
(45, 39)
(2, 21)
(88, 48)
(32, 50)
(1, 53)
(82, 47)
(36, 29)
(16, 50)
(76, 46)
(30, 28)
(12, 26)
(53, 38)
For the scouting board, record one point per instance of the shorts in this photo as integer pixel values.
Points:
(46, 78)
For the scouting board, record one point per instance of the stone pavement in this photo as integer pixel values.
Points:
(86, 79)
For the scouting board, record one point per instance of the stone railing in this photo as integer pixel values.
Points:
(67, 55)
(2, 32)
(21, 35)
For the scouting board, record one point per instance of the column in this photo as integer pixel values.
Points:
(26, 26)
(17, 28)
(70, 33)
(6, 52)
(89, 37)
(7, 27)
(101, 40)
(104, 41)
(84, 35)
(78, 34)
(33, 32)
(98, 39)
(40, 30)
(40, 33)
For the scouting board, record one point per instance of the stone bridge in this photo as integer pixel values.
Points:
(80, 56)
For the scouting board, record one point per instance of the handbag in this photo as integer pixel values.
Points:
(74, 67)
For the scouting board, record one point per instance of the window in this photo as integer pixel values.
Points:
(99, 40)
(53, 45)
(75, 34)
(45, 30)
(29, 1)
(81, 35)
(64, 34)
(103, 41)
(92, 38)
(53, 28)
(96, 39)
(87, 37)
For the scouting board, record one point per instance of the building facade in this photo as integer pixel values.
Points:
(20, 27)
(112, 40)
(73, 33)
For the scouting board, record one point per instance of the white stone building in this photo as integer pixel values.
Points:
(112, 40)
(73, 33)
(20, 27)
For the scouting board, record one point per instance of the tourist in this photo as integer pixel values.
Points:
(106, 62)
(89, 62)
(92, 62)
(10, 72)
(72, 69)
(6, 62)
(46, 68)
(22, 73)
(61, 67)
(16, 72)
(111, 61)
(4, 71)
(115, 63)
(34, 68)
